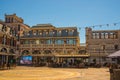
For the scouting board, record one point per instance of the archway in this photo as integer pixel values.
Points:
(47, 52)
(12, 51)
(4, 50)
(25, 52)
(36, 52)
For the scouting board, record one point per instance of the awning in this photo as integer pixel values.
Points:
(115, 54)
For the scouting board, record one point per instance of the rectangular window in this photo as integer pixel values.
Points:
(70, 33)
(70, 41)
(51, 33)
(116, 47)
(26, 42)
(59, 33)
(48, 41)
(59, 41)
(102, 36)
(28, 33)
(93, 35)
(34, 33)
(97, 35)
(106, 35)
(115, 35)
(111, 35)
(44, 34)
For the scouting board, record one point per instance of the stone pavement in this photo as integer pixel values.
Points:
(45, 73)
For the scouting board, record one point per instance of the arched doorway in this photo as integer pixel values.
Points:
(12, 51)
(25, 52)
(36, 52)
(25, 59)
(47, 52)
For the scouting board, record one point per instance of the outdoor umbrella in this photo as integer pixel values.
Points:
(115, 54)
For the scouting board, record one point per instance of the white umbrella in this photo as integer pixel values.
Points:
(115, 54)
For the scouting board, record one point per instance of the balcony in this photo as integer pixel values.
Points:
(47, 46)
(3, 53)
(3, 45)
(72, 55)
(61, 55)
(6, 46)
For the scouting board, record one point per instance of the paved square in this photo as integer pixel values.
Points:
(44, 73)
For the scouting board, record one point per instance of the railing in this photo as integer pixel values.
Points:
(105, 52)
(6, 46)
(63, 55)
(47, 46)
(72, 55)
(3, 45)
(4, 53)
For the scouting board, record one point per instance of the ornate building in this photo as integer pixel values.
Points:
(7, 45)
(46, 43)
(10, 31)
(17, 27)
(43, 42)
(101, 43)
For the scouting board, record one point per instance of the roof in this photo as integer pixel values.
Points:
(115, 54)
(42, 25)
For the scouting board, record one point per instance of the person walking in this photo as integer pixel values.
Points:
(8, 65)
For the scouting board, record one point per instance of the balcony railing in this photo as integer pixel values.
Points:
(3, 53)
(47, 46)
(6, 46)
(62, 55)
(105, 52)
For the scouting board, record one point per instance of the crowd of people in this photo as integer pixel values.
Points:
(7, 65)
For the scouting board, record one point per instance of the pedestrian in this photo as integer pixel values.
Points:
(8, 65)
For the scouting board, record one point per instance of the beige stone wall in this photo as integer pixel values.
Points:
(100, 47)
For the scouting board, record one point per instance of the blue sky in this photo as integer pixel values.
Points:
(64, 13)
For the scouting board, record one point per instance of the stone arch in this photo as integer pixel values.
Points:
(25, 52)
(47, 52)
(4, 50)
(36, 52)
(12, 51)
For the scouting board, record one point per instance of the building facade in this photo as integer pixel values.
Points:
(7, 46)
(17, 26)
(46, 43)
(101, 43)
(10, 31)
(42, 43)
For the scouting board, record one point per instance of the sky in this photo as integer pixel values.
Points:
(65, 13)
